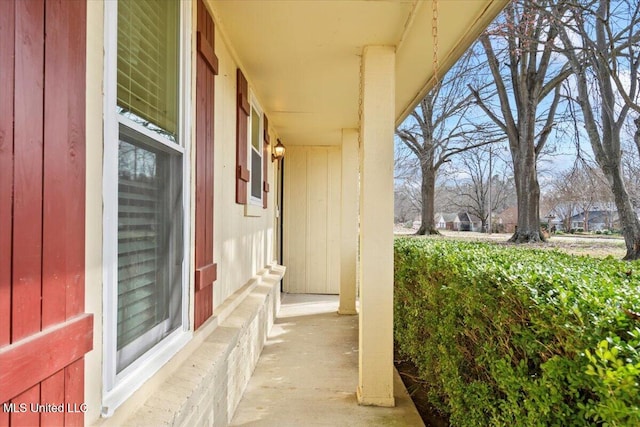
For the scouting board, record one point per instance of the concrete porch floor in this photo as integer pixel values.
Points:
(307, 373)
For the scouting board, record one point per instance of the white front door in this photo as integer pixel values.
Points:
(312, 186)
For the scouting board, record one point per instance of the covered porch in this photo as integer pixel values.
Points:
(202, 259)
(335, 79)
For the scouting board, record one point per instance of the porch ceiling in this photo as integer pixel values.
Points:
(302, 58)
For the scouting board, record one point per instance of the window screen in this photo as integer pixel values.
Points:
(150, 247)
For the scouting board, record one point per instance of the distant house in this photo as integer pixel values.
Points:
(462, 221)
(447, 221)
(595, 220)
(469, 222)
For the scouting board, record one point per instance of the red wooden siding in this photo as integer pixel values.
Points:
(243, 111)
(50, 350)
(265, 163)
(44, 332)
(6, 172)
(6, 166)
(27, 179)
(207, 68)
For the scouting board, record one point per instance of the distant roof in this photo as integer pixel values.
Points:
(467, 217)
(597, 216)
(448, 217)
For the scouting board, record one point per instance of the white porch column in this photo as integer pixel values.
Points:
(375, 386)
(349, 222)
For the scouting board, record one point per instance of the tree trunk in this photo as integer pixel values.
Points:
(427, 225)
(528, 194)
(604, 134)
(636, 135)
(530, 42)
(628, 218)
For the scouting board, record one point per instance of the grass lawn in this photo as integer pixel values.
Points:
(592, 245)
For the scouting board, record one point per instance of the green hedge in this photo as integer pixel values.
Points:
(509, 336)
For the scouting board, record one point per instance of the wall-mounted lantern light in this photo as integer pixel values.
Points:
(278, 151)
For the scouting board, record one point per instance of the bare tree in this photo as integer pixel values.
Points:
(482, 184)
(440, 127)
(407, 202)
(600, 39)
(631, 173)
(636, 135)
(519, 51)
(407, 197)
(561, 201)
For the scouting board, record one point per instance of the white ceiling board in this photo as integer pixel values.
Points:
(302, 58)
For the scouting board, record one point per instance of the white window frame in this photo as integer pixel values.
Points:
(254, 105)
(118, 387)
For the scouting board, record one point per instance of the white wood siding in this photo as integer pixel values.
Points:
(312, 185)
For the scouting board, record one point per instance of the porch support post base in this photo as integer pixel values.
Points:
(373, 401)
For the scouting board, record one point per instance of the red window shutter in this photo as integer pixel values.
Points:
(242, 172)
(265, 163)
(7, 85)
(44, 332)
(206, 69)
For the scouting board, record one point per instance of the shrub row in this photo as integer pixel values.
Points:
(507, 336)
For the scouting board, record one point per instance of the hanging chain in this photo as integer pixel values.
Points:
(434, 35)
(360, 96)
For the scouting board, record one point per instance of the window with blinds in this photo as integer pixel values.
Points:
(256, 155)
(150, 174)
(148, 63)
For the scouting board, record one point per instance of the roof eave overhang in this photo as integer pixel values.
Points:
(302, 58)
